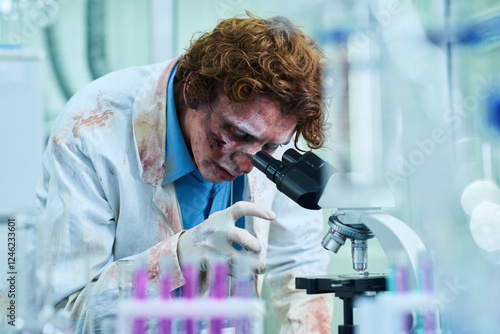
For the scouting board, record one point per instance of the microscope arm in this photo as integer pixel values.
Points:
(397, 239)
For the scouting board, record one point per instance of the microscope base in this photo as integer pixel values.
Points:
(345, 287)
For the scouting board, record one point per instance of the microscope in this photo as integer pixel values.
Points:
(314, 184)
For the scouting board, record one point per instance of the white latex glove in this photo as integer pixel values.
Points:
(216, 235)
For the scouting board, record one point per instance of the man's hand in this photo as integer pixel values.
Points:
(216, 235)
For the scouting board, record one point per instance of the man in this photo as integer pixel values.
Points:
(147, 163)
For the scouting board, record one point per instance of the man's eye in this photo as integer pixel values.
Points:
(239, 133)
(272, 147)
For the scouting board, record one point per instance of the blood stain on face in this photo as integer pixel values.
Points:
(219, 141)
(210, 143)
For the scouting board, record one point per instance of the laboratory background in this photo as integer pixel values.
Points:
(414, 108)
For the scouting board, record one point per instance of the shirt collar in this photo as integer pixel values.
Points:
(178, 160)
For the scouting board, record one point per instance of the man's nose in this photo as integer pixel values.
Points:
(244, 162)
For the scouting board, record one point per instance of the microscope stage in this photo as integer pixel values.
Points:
(350, 284)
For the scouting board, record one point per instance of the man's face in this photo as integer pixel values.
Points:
(224, 136)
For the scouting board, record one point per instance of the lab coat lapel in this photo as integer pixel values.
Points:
(149, 124)
(149, 119)
(165, 200)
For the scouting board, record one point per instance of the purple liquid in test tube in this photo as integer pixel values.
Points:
(190, 291)
(165, 324)
(243, 288)
(401, 278)
(218, 290)
(141, 283)
(427, 286)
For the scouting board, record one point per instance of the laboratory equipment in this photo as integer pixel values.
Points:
(29, 292)
(190, 312)
(165, 323)
(140, 293)
(243, 287)
(345, 287)
(218, 290)
(312, 183)
(125, 269)
(252, 309)
(189, 292)
(301, 177)
(21, 128)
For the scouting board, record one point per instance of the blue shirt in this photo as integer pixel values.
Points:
(198, 198)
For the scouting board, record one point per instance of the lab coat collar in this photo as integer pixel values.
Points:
(178, 160)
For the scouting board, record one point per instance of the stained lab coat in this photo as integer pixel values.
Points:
(102, 174)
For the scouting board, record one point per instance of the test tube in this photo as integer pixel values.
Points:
(397, 283)
(166, 267)
(218, 290)
(125, 278)
(242, 288)
(190, 291)
(426, 278)
(141, 279)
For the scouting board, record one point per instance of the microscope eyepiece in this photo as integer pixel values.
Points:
(300, 177)
(291, 157)
(264, 162)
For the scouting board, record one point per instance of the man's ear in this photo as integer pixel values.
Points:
(189, 98)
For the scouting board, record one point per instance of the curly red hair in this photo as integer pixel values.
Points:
(247, 56)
